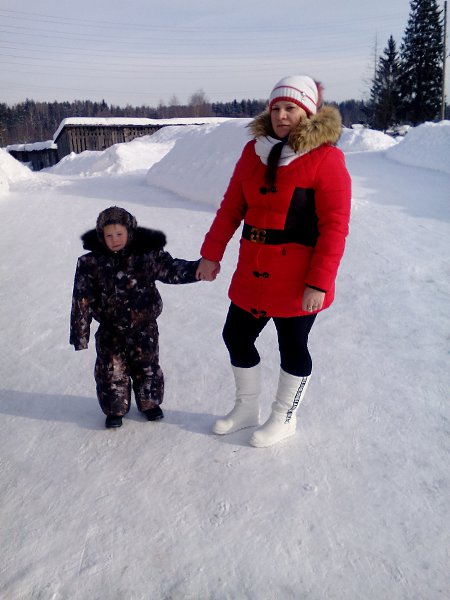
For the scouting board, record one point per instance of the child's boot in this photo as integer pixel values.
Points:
(282, 422)
(113, 421)
(154, 414)
(246, 409)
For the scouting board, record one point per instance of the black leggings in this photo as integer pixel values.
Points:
(241, 330)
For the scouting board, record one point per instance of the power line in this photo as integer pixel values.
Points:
(245, 29)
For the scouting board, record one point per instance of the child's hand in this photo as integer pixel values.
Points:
(207, 270)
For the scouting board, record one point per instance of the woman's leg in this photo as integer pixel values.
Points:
(240, 332)
(296, 367)
(293, 335)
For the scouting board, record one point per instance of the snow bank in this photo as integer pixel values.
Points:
(361, 140)
(11, 170)
(139, 154)
(427, 145)
(200, 164)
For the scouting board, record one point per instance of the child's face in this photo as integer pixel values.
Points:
(116, 237)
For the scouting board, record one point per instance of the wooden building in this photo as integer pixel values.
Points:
(39, 155)
(78, 134)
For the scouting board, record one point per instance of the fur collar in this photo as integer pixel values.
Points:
(143, 240)
(322, 128)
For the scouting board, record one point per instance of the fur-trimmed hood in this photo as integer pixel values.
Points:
(322, 128)
(144, 240)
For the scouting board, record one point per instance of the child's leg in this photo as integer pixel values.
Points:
(147, 376)
(112, 374)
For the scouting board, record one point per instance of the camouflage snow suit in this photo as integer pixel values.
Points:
(118, 290)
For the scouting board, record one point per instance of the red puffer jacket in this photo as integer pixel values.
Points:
(294, 233)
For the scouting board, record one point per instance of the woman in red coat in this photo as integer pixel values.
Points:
(292, 190)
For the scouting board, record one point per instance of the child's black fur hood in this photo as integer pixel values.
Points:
(143, 240)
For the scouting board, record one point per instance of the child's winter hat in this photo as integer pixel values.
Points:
(114, 215)
(300, 89)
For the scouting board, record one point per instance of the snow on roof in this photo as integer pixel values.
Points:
(32, 146)
(133, 121)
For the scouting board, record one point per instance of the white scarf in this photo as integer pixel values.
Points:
(264, 145)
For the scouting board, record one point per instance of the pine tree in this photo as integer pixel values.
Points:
(421, 59)
(385, 91)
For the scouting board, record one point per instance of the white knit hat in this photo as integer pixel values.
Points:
(300, 89)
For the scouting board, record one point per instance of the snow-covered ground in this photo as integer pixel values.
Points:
(354, 507)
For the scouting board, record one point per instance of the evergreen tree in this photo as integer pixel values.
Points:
(421, 59)
(385, 91)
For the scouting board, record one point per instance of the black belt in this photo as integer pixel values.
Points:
(269, 236)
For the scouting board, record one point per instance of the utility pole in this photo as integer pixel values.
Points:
(444, 58)
(375, 57)
(375, 64)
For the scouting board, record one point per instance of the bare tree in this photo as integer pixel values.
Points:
(199, 104)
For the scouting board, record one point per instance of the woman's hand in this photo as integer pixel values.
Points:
(207, 270)
(312, 299)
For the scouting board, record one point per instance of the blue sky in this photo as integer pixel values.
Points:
(148, 52)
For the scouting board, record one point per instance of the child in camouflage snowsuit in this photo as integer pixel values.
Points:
(115, 285)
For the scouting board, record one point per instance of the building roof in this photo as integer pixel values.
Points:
(32, 146)
(133, 121)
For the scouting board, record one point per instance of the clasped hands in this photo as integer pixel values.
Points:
(207, 270)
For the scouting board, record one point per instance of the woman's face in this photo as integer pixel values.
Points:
(285, 116)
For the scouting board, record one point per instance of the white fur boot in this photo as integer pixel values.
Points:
(283, 420)
(246, 409)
